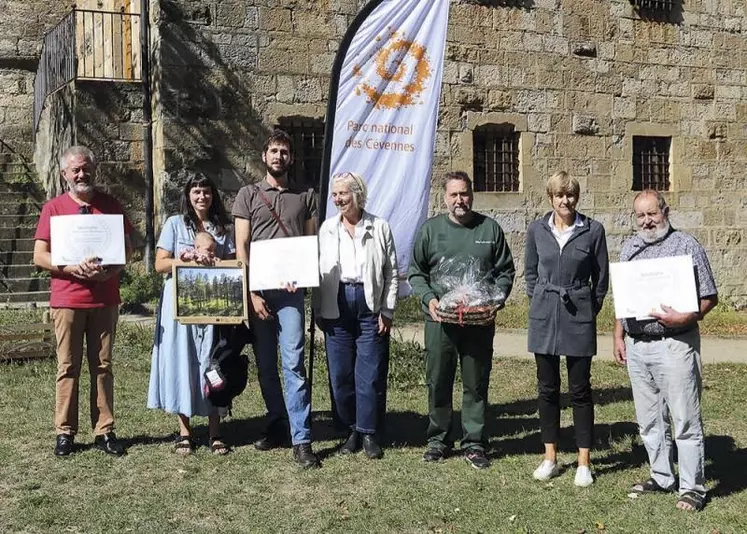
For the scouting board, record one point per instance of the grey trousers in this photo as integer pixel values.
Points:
(666, 379)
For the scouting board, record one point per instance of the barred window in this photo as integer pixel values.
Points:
(496, 158)
(656, 9)
(308, 148)
(651, 163)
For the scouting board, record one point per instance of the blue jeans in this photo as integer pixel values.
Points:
(358, 361)
(287, 327)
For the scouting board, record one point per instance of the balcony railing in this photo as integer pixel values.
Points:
(88, 45)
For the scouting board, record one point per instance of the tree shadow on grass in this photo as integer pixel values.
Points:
(725, 463)
(602, 397)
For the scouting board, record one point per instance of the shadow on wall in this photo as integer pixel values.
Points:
(209, 122)
(54, 135)
(109, 120)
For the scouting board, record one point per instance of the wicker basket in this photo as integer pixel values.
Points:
(468, 315)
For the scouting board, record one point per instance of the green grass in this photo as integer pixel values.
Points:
(723, 321)
(153, 490)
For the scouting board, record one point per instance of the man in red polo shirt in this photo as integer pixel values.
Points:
(85, 304)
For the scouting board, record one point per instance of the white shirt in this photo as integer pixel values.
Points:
(562, 236)
(352, 254)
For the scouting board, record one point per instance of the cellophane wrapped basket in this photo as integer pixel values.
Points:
(469, 295)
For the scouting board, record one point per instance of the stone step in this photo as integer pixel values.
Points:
(26, 296)
(18, 232)
(17, 245)
(10, 157)
(17, 270)
(20, 206)
(23, 285)
(13, 221)
(16, 257)
(14, 166)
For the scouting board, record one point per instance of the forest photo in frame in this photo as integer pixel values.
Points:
(210, 294)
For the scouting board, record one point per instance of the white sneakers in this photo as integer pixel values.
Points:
(583, 476)
(548, 470)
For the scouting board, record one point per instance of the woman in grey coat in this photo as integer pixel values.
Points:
(567, 268)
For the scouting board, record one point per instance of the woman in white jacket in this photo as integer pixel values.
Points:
(354, 306)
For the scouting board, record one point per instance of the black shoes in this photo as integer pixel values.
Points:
(304, 456)
(476, 458)
(433, 454)
(65, 444)
(371, 448)
(275, 436)
(352, 444)
(109, 444)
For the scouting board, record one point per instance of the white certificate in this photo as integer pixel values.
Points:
(77, 237)
(275, 263)
(642, 286)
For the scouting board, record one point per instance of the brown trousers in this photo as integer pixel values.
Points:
(98, 326)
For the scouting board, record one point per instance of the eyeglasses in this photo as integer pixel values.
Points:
(85, 209)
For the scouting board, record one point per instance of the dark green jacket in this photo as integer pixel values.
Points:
(440, 237)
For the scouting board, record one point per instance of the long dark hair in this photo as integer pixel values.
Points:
(217, 212)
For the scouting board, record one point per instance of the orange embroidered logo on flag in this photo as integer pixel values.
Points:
(400, 71)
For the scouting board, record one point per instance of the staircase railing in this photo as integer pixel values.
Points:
(88, 45)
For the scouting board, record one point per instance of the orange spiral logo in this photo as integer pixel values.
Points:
(402, 69)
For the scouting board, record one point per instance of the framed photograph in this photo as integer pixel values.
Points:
(215, 294)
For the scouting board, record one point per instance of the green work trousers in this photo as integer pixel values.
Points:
(472, 346)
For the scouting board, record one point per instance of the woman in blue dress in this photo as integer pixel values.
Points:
(181, 352)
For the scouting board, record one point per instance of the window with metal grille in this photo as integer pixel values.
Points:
(654, 7)
(651, 163)
(308, 146)
(496, 158)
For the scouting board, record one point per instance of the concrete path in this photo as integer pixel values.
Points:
(513, 343)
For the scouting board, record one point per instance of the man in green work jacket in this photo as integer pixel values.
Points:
(460, 233)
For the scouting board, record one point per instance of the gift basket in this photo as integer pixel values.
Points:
(469, 296)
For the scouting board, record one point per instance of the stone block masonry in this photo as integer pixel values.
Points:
(577, 80)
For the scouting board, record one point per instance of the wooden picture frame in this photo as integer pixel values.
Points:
(210, 294)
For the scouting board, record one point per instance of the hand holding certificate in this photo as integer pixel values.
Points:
(76, 238)
(642, 287)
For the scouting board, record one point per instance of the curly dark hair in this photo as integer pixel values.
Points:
(217, 212)
(280, 137)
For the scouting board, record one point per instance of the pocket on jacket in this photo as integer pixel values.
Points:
(581, 307)
(542, 305)
(581, 252)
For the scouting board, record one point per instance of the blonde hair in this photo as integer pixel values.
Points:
(356, 184)
(562, 182)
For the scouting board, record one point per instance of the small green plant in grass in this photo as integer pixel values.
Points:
(137, 288)
(406, 364)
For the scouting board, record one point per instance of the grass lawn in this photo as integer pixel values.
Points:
(153, 490)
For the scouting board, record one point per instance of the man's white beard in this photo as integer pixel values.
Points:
(654, 235)
(82, 189)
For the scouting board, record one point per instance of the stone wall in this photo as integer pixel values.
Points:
(22, 26)
(577, 79)
(107, 117)
(109, 120)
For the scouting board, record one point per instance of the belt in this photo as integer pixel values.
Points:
(352, 284)
(657, 337)
(562, 291)
(646, 337)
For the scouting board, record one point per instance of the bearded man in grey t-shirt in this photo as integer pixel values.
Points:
(271, 209)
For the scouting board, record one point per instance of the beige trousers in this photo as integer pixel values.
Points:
(98, 326)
